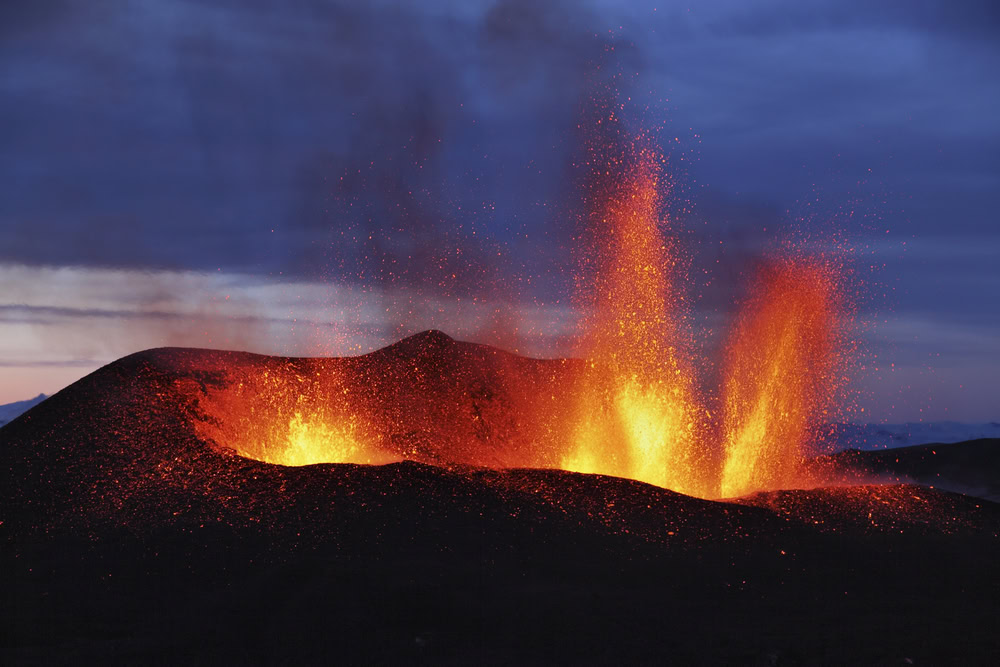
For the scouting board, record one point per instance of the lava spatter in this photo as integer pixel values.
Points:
(637, 414)
(783, 373)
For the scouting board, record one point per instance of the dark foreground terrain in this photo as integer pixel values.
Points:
(128, 538)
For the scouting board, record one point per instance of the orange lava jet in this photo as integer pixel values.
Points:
(638, 414)
(783, 374)
(636, 411)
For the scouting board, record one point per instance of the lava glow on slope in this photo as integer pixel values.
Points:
(291, 420)
(631, 406)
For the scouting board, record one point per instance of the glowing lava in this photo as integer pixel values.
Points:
(637, 415)
(285, 416)
(312, 439)
(783, 374)
(631, 409)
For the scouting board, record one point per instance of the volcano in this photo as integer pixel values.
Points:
(157, 511)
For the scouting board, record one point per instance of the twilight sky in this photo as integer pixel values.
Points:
(319, 177)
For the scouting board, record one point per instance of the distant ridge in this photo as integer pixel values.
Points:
(10, 411)
(889, 436)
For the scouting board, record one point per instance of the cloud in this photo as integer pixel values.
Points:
(180, 136)
(424, 151)
(334, 137)
(60, 317)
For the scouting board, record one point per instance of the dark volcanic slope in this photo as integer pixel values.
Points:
(902, 508)
(971, 467)
(127, 537)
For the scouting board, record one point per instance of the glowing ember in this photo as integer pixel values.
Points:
(782, 374)
(636, 411)
(630, 409)
(313, 439)
(286, 417)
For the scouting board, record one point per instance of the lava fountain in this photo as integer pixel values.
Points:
(783, 373)
(630, 407)
(637, 414)
(288, 415)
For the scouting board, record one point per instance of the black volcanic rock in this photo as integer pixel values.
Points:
(971, 467)
(893, 508)
(127, 537)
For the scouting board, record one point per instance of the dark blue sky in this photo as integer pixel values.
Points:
(266, 138)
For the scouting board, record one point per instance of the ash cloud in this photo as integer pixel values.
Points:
(369, 144)
(180, 136)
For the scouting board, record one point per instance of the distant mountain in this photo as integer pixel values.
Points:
(9, 411)
(889, 436)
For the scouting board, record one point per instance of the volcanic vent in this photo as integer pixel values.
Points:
(427, 398)
(434, 400)
(630, 404)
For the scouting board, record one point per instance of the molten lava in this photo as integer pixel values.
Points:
(637, 415)
(286, 416)
(783, 374)
(630, 408)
